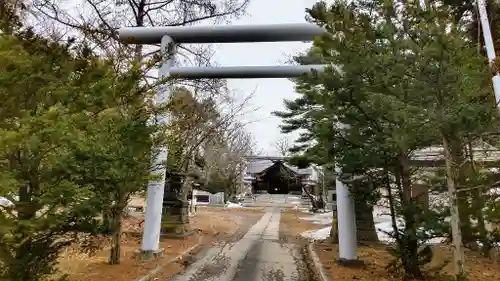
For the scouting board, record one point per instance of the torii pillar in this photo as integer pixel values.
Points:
(168, 37)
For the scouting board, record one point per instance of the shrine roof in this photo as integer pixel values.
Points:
(255, 166)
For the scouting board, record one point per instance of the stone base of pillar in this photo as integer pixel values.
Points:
(350, 263)
(175, 220)
(142, 255)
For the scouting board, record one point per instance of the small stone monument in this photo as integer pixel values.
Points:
(175, 216)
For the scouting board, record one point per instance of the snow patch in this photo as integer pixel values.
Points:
(317, 234)
(381, 214)
(321, 218)
(383, 226)
(382, 232)
(5, 202)
(234, 205)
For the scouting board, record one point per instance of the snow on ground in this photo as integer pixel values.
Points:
(381, 214)
(317, 234)
(321, 218)
(382, 219)
(234, 205)
(382, 232)
(5, 202)
(302, 209)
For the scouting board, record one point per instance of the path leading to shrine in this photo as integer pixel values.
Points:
(258, 256)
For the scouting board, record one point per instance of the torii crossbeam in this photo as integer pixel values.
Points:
(168, 37)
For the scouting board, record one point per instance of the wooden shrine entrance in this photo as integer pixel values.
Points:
(278, 179)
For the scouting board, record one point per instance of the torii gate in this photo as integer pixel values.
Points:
(168, 37)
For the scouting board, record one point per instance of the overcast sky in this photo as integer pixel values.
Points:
(268, 93)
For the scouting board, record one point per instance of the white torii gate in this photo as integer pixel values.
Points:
(168, 37)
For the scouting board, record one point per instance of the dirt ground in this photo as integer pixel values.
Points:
(213, 224)
(291, 225)
(376, 258)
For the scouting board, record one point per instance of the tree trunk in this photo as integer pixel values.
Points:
(392, 208)
(456, 157)
(420, 192)
(477, 208)
(409, 245)
(24, 264)
(451, 178)
(116, 229)
(16, 271)
(114, 255)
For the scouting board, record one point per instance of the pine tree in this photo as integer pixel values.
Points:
(74, 148)
(38, 132)
(402, 78)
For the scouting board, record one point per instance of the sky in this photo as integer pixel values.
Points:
(268, 94)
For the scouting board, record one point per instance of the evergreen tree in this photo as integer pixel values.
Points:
(402, 78)
(73, 145)
(38, 133)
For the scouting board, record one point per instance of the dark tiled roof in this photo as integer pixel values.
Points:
(257, 166)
